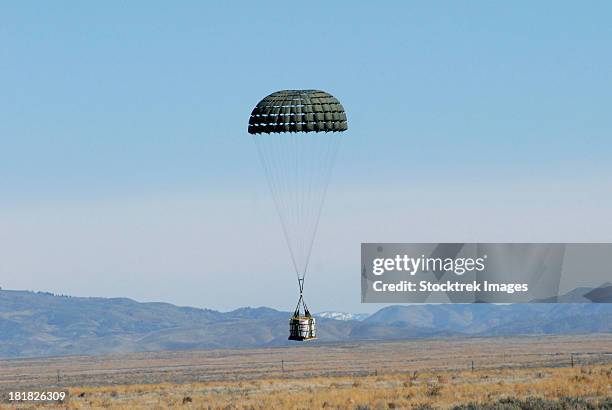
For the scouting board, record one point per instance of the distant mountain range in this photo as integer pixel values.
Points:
(43, 324)
(342, 315)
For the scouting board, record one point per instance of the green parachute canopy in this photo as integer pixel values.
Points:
(298, 111)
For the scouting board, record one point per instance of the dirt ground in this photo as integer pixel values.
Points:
(363, 375)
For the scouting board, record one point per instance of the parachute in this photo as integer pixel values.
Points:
(297, 134)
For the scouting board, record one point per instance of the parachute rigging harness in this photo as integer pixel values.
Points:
(302, 326)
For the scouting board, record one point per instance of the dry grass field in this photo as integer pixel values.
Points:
(365, 375)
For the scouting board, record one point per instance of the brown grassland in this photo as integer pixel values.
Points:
(365, 375)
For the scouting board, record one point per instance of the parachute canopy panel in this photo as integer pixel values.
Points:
(298, 111)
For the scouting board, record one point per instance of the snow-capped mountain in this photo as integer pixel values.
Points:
(342, 315)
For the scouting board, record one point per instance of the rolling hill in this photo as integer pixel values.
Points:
(42, 324)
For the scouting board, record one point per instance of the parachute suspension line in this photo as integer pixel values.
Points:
(293, 180)
(295, 175)
(332, 150)
(296, 312)
(298, 169)
(275, 189)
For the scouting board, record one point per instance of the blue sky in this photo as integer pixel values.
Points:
(126, 170)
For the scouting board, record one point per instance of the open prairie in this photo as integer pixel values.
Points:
(398, 374)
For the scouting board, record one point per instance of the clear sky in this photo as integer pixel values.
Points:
(126, 169)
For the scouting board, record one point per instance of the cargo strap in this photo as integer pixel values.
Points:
(301, 301)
